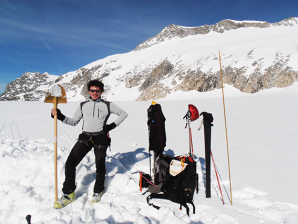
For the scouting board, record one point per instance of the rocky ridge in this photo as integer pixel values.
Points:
(176, 31)
(153, 70)
(29, 87)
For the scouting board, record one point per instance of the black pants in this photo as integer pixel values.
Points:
(84, 145)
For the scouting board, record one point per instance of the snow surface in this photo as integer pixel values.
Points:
(251, 49)
(262, 134)
(246, 21)
(55, 90)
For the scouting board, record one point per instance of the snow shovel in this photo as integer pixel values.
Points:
(55, 95)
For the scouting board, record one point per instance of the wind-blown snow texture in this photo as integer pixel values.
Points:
(262, 131)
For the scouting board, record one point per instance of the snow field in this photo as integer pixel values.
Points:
(262, 143)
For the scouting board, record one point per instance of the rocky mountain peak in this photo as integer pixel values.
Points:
(21, 88)
(176, 31)
(292, 21)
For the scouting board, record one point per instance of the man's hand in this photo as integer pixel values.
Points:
(109, 127)
(60, 116)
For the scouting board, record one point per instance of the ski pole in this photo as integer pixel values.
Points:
(190, 141)
(217, 176)
(187, 115)
(150, 162)
(189, 138)
(153, 166)
(141, 186)
(28, 218)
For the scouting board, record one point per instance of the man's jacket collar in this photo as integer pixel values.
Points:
(98, 100)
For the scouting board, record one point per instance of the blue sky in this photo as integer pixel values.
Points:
(58, 36)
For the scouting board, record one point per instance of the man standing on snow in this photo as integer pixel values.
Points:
(95, 113)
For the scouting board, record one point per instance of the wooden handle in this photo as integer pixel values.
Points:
(224, 108)
(55, 149)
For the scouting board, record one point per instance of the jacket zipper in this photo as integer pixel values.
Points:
(93, 109)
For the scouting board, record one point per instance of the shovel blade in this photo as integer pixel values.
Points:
(56, 92)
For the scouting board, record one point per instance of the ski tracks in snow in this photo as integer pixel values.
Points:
(248, 204)
(9, 129)
(256, 203)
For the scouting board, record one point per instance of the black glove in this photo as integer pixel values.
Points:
(60, 116)
(109, 127)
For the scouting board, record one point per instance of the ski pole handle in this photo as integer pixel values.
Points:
(28, 218)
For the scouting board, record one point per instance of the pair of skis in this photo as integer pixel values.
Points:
(207, 121)
(192, 115)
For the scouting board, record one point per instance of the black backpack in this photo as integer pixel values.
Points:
(180, 188)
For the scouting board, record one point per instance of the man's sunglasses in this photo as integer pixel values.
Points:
(94, 90)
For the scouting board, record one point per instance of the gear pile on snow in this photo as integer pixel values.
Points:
(174, 178)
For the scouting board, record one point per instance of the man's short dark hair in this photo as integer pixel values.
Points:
(96, 83)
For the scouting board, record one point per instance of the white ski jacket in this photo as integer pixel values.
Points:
(95, 114)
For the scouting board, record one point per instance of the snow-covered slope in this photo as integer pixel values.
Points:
(253, 58)
(255, 55)
(262, 131)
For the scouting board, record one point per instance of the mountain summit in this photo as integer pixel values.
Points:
(175, 31)
(255, 55)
